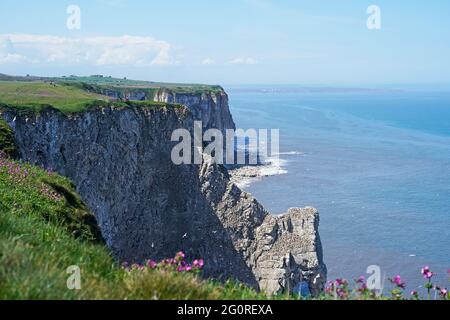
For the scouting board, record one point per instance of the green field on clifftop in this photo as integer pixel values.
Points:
(75, 94)
(35, 94)
(67, 98)
(100, 82)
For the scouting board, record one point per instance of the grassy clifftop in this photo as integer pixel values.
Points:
(74, 94)
(111, 82)
(37, 95)
(100, 83)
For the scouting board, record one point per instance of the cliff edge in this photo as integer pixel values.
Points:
(210, 107)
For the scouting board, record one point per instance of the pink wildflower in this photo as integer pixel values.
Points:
(151, 264)
(361, 280)
(180, 255)
(415, 294)
(398, 282)
(341, 282)
(425, 270)
(198, 263)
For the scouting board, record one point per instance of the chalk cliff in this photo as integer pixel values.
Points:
(209, 107)
(147, 207)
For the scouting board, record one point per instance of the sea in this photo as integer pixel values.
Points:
(375, 163)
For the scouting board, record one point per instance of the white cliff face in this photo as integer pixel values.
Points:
(149, 208)
(209, 107)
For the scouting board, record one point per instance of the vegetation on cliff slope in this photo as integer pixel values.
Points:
(45, 228)
(7, 144)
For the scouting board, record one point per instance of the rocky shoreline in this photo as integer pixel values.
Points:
(242, 176)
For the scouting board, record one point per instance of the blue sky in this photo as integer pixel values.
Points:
(231, 42)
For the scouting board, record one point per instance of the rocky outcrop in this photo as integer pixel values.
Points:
(209, 107)
(289, 252)
(283, 251)
(147, 207)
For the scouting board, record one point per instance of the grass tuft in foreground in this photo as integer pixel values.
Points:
(7, 143)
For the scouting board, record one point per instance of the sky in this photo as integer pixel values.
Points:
(229, 42)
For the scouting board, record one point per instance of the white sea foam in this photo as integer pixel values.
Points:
(290, 153)
(273, 166)
(244, 183)
(270, 166)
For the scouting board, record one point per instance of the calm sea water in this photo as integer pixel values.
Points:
(375, 164)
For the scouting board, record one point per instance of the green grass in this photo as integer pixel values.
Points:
(103, 89)
(37, 94)
(7, 139)
(78, 94)
(140, 84)
(118, 83)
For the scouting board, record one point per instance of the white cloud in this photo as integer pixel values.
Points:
(124, 50)
(248, 61)
(13, 58)
(208, 62)
(8, 54)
